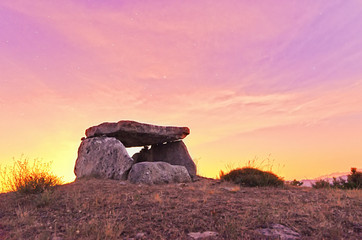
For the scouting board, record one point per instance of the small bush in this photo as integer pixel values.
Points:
(252, 177)
(296, 183)
(28, 177)
(321, 184)
(354, 181)
(339, 183)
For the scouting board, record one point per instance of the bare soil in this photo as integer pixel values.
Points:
(108, 209)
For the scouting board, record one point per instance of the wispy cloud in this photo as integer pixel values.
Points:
(222, 68)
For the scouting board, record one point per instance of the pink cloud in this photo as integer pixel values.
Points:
(222, 68)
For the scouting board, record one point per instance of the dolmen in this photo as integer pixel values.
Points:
(163, 159)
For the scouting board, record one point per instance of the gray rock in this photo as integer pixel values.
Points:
(280, 231)
(135, 134)
(199, 235)
(157, 173)
(102, 157)
(174, 153)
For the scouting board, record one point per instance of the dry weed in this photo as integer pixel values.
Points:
(27, 177)
(104, 209)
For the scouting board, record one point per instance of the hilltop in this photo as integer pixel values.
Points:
(109, 209)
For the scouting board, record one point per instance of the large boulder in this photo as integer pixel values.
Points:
(135, 134)
(102, 157)
(157, 173)
(174, 153)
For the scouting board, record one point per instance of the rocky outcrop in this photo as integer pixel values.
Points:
(135, 134)
(157, 173)
(174, 153)
(102, 157)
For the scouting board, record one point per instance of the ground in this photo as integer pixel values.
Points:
(109, 209)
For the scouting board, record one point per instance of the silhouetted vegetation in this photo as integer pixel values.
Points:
(252, 177)
(321, 184)
(296, 183)
(354, 181)
(27, 177)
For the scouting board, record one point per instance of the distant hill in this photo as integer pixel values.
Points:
(328, 177)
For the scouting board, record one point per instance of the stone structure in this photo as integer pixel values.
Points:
(158, 173)
(103, 154)
(135, 134)
(102, 157)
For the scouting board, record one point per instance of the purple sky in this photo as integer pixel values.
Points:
(251, 79)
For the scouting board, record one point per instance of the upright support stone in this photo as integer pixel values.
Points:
(174, 153)
(102, 157)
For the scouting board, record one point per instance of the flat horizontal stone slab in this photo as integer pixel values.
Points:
(135, 134)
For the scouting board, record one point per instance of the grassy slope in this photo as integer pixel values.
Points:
(106, 209)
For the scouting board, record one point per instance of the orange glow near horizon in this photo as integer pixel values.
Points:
(277, 83)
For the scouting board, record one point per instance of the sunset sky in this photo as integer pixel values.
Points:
(278, 80)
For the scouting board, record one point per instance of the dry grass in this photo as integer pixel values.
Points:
(26, 176)
(106, 209)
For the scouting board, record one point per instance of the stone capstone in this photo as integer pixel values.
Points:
(157, 173)
(102, 157)
(174, 153)
(135, 134)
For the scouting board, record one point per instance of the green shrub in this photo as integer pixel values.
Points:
(28, 177)
(339, 183)
(354, 181)
(321, 184)
(252, 177)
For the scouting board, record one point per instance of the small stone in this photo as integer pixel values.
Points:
(280, 231)
(56, 238)
(199, 235)
(232, 189)
(140, 235)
